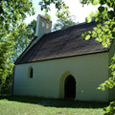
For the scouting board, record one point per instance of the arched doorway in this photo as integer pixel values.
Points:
(70, 88)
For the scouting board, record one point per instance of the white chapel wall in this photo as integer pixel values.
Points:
(88, 70)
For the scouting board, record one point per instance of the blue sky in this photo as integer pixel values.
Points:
(75, 8)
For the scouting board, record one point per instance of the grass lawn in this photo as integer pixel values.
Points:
(39, 106)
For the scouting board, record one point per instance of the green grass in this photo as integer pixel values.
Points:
(39, 106)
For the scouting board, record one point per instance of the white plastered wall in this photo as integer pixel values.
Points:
(88, 70)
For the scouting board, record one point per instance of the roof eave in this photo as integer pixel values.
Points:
(105, 51)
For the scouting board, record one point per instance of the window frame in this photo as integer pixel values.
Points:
(30, 72)
(47, 26)
(43, 23)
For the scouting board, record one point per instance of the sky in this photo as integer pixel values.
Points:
(76, 9)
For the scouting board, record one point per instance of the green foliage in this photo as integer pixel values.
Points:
(6, 52)
(110, 110)
(63, 23)
(104, 32)
(31, 27)
(48, 17)
(110, 83)
(12, 13)
(59, 4)
(89, 18)
(86, 35)
(62, 8)
(95, 2)
(7, 86)
(23, 37)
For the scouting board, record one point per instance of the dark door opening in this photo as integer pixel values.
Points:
(70, 88)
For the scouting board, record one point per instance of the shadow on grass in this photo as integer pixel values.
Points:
(56, 102)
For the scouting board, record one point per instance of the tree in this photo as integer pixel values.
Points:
(62, 8)
(62, 23)
(12, 14)
(32, 27)
(23, 38)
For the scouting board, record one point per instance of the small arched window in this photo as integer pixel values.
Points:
(30, 72)
(47, 26)
(43, 23)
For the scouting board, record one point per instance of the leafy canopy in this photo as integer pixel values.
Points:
(12, 14)
(23, 38)
(105, 17)
(63, 23)
(62, 8)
